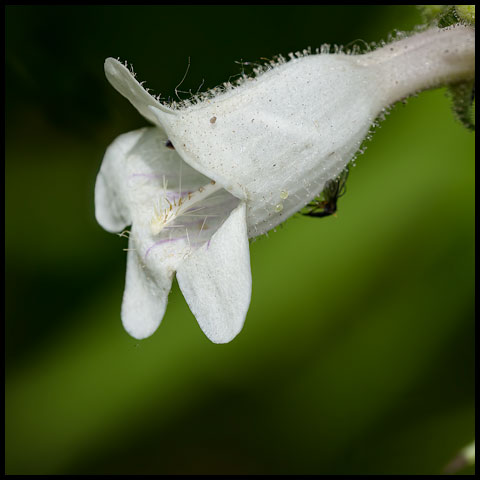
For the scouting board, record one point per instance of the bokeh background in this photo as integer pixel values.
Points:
(357, 355)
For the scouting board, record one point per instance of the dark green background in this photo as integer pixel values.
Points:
(357, 355)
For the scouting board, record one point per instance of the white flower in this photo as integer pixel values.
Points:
(210, 175)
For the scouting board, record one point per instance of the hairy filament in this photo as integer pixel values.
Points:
(162, 218)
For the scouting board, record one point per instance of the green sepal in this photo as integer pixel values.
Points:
(463, 103)
(448, 17)
(431, 13)
(466, 13)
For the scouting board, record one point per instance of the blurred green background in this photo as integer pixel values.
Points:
(357, 355)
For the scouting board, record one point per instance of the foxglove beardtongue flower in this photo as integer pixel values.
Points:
(211, 174)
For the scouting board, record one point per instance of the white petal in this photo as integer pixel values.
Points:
(122, 79)
(133, 175)
(150, 166)
(145, 297)
(111, 208)
(216, 280)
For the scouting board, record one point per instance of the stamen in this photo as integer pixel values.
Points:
(185, 203)
(193, 215)
(125, 234)
(201, 229)
(188, 240)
